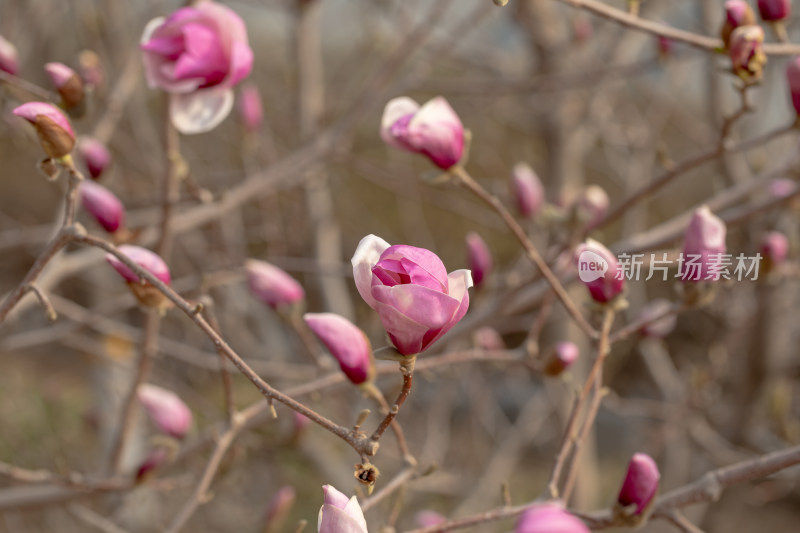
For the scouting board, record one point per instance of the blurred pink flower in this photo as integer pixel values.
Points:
(433, 130)
(95, 155)
(143, 257)
(527, 190)
(346, 342)
(793, 80)
(641, 483)
(9, 61)
(549, 518)
(197, 54)
(561, 358)
(772, 10)
(67, 82)
(703, 246)
(91, 68)
(103, 205)
(488, 338)
(747, 56)
(272, 285)
(279, 507)
(250, 108)
(599, 270)
(52, 126)
(774, 247)
(170, 414)
(339, 514)
(479, 258)
(428, 518)
(409, 287)
(737, 13)
(592, 205)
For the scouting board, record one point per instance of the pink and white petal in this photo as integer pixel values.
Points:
(368, 252)
(394, 111)
(200, 111)
(334, 520)
(435, 111)
(418, 262)
(354, 510)
(428, 307)
(406, 334)
(459, 281)
(241, 63)
(334, 496)
(150, 28)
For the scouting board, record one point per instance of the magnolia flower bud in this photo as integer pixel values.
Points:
(793, 80)
(641, 483)
(737, 13)
(154, 460)
(166, 410)
(560, 358)
(428, 518)
(660, 320)
(479, 259)
(95, 155)
(549, 518)
(774, 247)
(91, 68)
(68, 84)
(340, 515)
(527, 190)
(8, 57)
(279, 507)
(592, 205)
(433, 130)
(703, 246)
(250, 109)
(487, 338)
(272, 285)
(772, 10)
(52, 126)
(599, 270)
(147, 295)
(747, 57)
(347, 344)
(781, 187)
(102, 205)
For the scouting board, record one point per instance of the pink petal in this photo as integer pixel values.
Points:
(335, 520)
(202, 57)
(406, 334)
(395, 110)
(200, 111)
(419, 264)
(367, 253)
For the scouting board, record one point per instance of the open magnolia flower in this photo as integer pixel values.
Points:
(339, 514)
(415, 297)
(197, 54)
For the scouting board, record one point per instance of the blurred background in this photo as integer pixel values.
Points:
(582, 100)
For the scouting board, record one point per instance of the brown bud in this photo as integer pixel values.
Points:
(56, 141)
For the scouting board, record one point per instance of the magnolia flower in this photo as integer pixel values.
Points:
(169, 413)
(339, 514)
(409, 287)
(489, 339)
(428, 518)
(95, 155)
(433, 130)
(793, 80)
(703, 246)
(561, 358)
(640, 484)
(737, 13)
(527, 190)
(102, 205)
(272, 285)
(774, 247)
(147, 295)
(197, 54)
(599, 270)
(68, 84)
(747, 56)
(346, 342)
(592, 205)
(52, 126)
(479, 258)
(250, 109)
(8, 57)
(549, 518)
(772, 10)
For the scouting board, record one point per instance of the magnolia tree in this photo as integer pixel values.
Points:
(593, 207)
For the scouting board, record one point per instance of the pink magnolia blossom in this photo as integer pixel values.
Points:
(527, 190)
(103, 205)
(409, 287)
(250, 109)
(772, 10)
(67, 82)
(703, 246)
(339, 514)
(592, 205)
(9, 61)
(143, 257)
(793, 80)
(561, 358)
(346, 342)
(272, 285)
(489, 339)
(737, 13)
(746, 53)
(774, 247)
(52, 126)
(95, 155)
(641, 483)
(197, 54)
(549, 518)
(428, 518)
(169, 413)
(433, 130)
(479, 258)
(599, 270)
